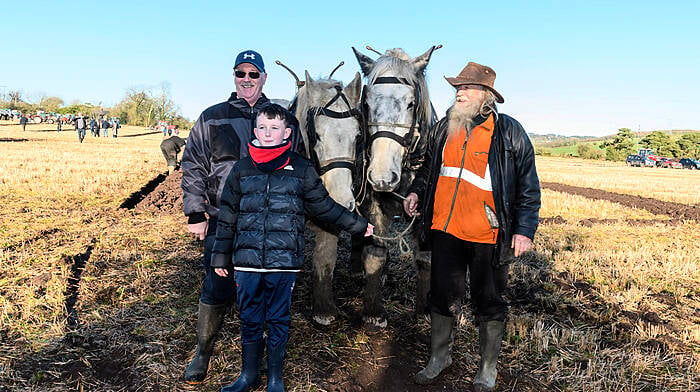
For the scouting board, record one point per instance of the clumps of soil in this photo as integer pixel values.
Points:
(165, 198)
(677, 211)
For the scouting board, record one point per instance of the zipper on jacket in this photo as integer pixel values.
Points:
(459, 177)
(267, 215)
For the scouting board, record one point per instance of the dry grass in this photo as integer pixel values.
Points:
(611, 307)
(675, 185)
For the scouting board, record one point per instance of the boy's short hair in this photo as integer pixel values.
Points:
(273, 110)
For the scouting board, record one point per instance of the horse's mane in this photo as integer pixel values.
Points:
(397, 63)
(304, 104)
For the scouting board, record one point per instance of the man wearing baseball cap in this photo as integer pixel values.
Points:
(217, 141)
(479, 199)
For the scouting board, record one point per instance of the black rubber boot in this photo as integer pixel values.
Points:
(490, 337)
(441, 339)
(209, 321)
(250, 369)
(275, 362)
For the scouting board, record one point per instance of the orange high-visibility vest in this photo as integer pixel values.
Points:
(464, 204)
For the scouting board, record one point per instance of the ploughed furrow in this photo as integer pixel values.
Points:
(677, 211)
(72, 289)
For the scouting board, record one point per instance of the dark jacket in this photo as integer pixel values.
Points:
(173, 143)
(261, 217)
(516, 188)
(218, 139)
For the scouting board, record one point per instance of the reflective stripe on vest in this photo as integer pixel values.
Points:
(483, 183)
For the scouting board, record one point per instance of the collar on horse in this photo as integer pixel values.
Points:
(411, 140)
(313, 112)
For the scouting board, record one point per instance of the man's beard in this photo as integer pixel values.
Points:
(462, 116)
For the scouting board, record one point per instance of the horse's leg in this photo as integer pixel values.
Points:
(422, 282)
(357, 243)
(374, 258)
(324, 259)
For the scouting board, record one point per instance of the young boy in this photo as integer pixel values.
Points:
(261, 232)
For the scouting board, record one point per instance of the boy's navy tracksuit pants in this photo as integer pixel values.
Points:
(264, 298)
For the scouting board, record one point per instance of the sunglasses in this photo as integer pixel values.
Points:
(252, 74)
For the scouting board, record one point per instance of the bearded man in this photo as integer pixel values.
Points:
(479, 199)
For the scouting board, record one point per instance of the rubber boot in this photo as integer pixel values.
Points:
(275, 362)
(209, 321)
(490, 336)
(250, 368)
(441, 338)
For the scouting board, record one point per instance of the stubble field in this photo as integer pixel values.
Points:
(99, 289)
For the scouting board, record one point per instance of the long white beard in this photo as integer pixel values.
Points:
(462, 116)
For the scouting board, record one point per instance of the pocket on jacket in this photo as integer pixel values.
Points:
(224, 142)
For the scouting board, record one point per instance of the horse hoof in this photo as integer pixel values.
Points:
(324, 320)
(374, 323)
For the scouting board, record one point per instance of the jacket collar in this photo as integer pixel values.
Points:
(241, 103)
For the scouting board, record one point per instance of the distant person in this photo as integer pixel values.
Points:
(105, 127)
(58, 124)
(23, 120)
(92, 126)
(479, 198)
(170, 129)
(170, 147)
(115, 127)
(98, 124)
(260, 236)
(80, 125)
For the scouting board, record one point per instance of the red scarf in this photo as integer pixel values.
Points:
(270, 158)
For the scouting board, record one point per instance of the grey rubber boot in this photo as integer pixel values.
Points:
(441, 338)
(209, 321)
(490, 337)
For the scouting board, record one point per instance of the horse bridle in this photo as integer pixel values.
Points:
(410, 141)
(333, 163)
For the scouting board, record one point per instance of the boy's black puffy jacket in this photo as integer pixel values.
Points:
(261, 216)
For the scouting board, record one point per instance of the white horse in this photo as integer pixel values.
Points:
(330, 126)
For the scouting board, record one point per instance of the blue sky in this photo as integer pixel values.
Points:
(566, 67)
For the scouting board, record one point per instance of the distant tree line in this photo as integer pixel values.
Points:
(141, 106)
(623, 144)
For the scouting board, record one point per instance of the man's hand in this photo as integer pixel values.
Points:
(520, 244)
(370, 230)
(410, 203)
(223, 272)
(199, 229)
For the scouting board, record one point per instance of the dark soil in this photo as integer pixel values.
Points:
(655, 206)
(165, 198)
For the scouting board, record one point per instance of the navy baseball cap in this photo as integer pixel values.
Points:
(252, 57)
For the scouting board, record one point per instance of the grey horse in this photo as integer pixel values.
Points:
(398, 115)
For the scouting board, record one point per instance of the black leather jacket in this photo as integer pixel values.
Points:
(516, 188)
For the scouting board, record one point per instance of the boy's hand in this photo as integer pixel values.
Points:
(199, 229)
(410, 203)
(370, 230)
(223, 272)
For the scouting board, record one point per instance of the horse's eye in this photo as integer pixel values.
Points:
(410, 105)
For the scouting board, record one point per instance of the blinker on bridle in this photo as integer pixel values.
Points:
(333, 163)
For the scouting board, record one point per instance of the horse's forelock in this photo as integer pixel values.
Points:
(396, 62)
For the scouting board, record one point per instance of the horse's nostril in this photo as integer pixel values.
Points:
(394, 178)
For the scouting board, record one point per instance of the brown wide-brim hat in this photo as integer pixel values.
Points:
(477, 74)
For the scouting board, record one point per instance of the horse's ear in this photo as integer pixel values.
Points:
(366, 63)
(421, 61)
(353, 89)
(308, 78)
